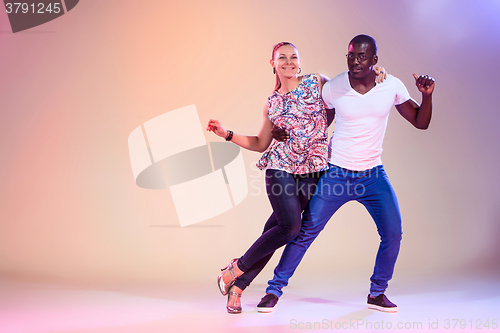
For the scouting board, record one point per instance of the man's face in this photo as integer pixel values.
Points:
(360, 60)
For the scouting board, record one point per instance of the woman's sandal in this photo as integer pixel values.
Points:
(233, 309)
(224, 287)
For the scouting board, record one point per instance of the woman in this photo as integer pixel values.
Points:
(293, 167)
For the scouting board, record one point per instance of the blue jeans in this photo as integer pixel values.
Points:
(289, 194)
(336, 187)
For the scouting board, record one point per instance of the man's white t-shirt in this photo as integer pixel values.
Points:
(360, 120)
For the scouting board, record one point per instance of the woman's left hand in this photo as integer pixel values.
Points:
(381, 74)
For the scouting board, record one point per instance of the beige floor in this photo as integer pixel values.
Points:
(425, 305)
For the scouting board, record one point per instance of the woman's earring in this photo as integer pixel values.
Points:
(300, 70)
(274, 71)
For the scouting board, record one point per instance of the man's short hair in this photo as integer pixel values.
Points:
(360, 39)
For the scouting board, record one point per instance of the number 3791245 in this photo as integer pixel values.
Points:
(33, 8)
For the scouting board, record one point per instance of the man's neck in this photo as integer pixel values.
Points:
(363, 85)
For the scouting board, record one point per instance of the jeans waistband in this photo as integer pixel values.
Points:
(355, 173)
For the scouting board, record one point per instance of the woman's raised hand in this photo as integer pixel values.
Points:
(216, 127)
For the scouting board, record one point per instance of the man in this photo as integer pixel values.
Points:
(356, 173)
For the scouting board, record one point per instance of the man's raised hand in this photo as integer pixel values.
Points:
(425, 83)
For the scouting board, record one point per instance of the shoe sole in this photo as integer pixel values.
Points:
(381, 308)
(265, 310)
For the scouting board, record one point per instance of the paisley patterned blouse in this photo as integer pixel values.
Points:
(302, 114)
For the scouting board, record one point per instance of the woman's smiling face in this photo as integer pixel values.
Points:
(286, 61)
